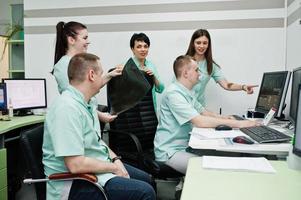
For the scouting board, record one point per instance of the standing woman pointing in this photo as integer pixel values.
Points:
(200, 49)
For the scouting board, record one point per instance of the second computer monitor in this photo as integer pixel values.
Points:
(296, 80)
(272, 92)
(25, 94)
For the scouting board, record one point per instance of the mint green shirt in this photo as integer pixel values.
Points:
(60, 72)
(200, 87)
(71, 129)
(159, 89)
(178, 107)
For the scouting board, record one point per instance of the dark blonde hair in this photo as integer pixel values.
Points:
(80, 64)
(179, 63)
(208, 54)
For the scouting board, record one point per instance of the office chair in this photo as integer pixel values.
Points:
(131, 135)
(31, 144)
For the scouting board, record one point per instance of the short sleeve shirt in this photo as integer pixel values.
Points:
(200, 87)
(71, 129)
(60, 72)
(178, 107)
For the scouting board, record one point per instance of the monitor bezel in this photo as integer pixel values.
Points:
(3, 85)
(283, 93)
(289, 115)
(295, 150)
(23, 79)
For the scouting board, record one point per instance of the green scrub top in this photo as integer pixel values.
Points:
(71, 129)
(149, 65)
(60, 72)
(178, 107)
(200, 87)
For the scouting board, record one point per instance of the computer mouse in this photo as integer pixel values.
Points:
(223, 127)
(242, 140)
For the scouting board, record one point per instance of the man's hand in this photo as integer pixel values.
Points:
(120, 169)
(248, 123)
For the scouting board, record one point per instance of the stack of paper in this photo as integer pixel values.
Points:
(238, 164)
(210, 133)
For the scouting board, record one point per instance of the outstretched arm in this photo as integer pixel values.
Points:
(236, 87)
(116, 72)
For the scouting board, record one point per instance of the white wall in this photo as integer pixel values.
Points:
(293, 59)
(247, 40)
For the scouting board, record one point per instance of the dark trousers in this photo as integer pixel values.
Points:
(139, 187)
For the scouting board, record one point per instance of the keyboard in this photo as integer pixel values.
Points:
(237, 117)
(264, 134)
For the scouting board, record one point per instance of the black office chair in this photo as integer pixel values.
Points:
(31, 144)
(131, 135)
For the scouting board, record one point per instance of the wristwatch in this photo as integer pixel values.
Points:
(116, 158)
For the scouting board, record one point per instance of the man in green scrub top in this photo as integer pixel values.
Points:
(179, 112)
(72, 142)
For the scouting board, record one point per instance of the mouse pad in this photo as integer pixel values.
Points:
(125, 91)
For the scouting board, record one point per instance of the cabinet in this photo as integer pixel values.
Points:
(16, 44)
(3, 175)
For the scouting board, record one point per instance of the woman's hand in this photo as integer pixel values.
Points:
(106, 117)
(148, 72)
(116, 72)
(249, 88)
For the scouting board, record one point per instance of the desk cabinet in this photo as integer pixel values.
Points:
(3, 175)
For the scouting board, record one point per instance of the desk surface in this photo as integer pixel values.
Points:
(218, 184)
(18, 122)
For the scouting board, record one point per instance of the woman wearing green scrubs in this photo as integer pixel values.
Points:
(200, 49)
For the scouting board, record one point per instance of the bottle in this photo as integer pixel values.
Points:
(10, 109)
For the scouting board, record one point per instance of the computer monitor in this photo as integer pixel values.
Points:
(296, 76)
(26, 94)
(297, 140)
(2, 97)
(272, 92)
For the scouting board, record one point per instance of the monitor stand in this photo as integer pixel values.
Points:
(22, 112)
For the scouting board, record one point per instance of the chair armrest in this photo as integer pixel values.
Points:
(132, 137)
(64, 176)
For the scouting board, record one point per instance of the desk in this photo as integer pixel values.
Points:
(208, 184)
(278, 149)
(5, 128)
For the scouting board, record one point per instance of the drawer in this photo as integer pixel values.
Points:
(3, 178)
(2, 158)
(3, 193)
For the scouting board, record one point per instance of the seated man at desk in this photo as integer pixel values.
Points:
(72, 142)
(179, 112)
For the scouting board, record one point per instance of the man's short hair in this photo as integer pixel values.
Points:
(179, 63)
(80, 64)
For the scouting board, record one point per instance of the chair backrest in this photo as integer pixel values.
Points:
(31, 144)
(141, 121)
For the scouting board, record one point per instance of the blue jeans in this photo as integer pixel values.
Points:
(139, 187)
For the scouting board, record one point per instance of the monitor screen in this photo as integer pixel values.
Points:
(2, 97)
(297, 141)
(272, 92)
(26, 93)
(294, 94)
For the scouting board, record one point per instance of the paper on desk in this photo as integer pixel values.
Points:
(210, 133)
(260, 164)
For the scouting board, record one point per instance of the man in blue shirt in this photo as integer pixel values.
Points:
(179, 112)
(72, 142)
